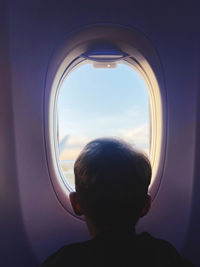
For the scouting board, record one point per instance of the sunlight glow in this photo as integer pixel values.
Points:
(99, 102)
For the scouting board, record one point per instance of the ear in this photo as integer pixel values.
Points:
(147, 206)
(75, 203)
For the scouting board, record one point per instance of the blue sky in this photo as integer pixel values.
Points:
(103, 102)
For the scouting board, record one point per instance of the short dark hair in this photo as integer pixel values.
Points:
(112, 180)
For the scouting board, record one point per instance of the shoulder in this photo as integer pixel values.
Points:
(68, 253)
(162, 251)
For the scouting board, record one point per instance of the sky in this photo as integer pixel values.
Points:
(100, 102)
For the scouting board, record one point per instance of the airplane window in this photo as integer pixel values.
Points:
(101, 101)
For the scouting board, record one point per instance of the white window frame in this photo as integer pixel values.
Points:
(142, 57)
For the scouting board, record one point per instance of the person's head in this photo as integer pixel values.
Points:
(112, 180)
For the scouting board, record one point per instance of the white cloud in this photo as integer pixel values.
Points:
(77, 140)
(138, 136)
(133, 112)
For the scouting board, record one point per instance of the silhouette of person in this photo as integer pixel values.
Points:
(112, 180)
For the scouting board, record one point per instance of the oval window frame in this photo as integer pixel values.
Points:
(142, 57)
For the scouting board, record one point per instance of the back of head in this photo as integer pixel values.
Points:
(112, 181)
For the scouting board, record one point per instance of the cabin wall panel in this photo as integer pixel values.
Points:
(36, 29)
(14, 245)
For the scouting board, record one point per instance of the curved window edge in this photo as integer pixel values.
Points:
(142, 58)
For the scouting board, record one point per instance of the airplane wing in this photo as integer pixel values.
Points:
(63, 143)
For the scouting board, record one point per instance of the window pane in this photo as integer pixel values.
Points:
(101, 102)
